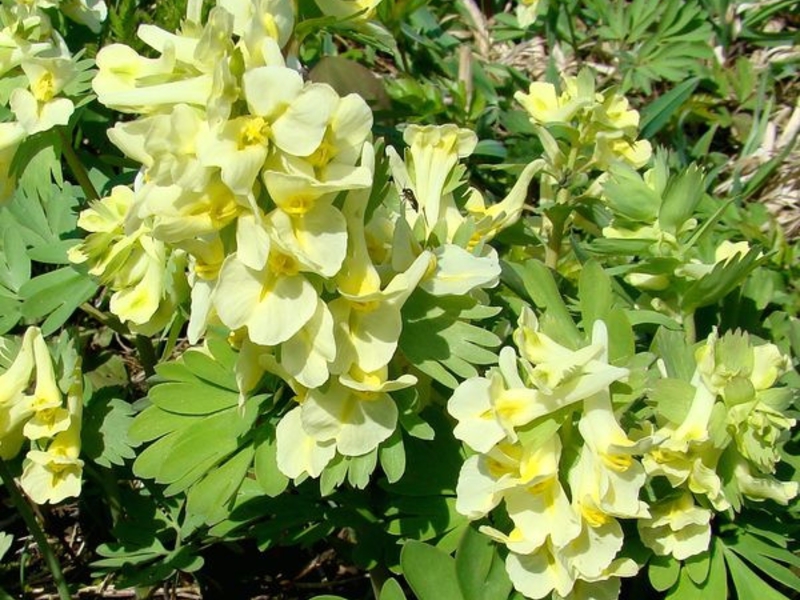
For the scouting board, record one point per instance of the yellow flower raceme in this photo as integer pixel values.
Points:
(763, 487)
(55, 473)
(258, 21)
(485, 479)
(609, 149)
(490, 220)
(489, 409)
(123, 77)
(136, 266)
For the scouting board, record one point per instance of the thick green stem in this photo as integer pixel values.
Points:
(555, 225)
(77, 168)
(24, 509)
(690, 328)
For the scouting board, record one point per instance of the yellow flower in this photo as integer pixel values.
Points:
(677, 527)
(356, 410)
(298, 452)
(13, 408)
(345, 9)
(48, 416)
(39, 108)
(273, 302)
(545, 106)
(55, 473)
(526, 12)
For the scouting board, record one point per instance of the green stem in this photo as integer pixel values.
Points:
(77, 168)
(554, 238)
(147, 354)
(27, 515)
(111, 322)
(572, 36)
(690, 328)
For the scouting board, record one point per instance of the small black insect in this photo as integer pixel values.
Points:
(408, 196)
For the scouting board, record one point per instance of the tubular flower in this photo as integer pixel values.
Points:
(14, 410)
(55, 473)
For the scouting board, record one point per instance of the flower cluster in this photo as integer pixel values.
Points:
(52, 467)
(723, 446)
(261, 184)
(601, 127)
(566, 532)
(35, 57)
(566, 490)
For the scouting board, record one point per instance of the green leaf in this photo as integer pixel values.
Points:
(55, 295)
(628, 195)
(771, 568)
(437, 339)
(153, 423)
(747, 583)
(681, 198)
(672, 398)
(17, 268)
(333, 476)
(594, 292)
(5, 543)
(415, 426)
(656, 115)
(480, 571)
(678, 357)
(754, 543)
(391, 590)
(392, 456)
(192, 398)
(360, 468)
(106, 422)
(697, 566)
(723, 279)
(663, 572)
(208, 498)
(716, 584)
(430, 572)
(208, 369)
(685, 589)
(538, 284)
(268, 476)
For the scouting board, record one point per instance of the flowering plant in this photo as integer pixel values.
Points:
(290, 318)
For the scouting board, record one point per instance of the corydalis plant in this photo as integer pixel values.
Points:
(261, 183)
